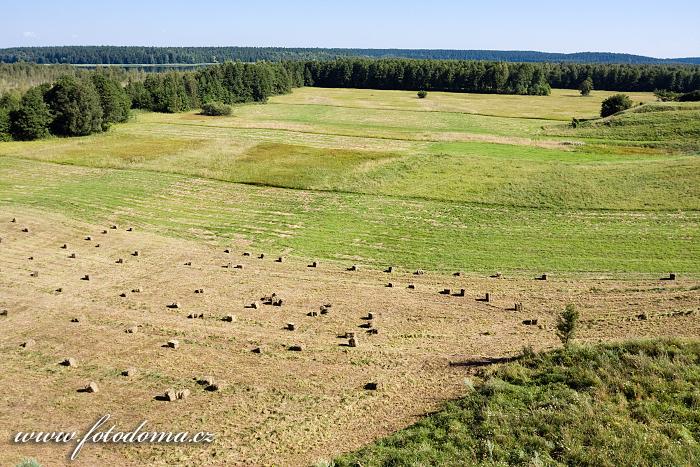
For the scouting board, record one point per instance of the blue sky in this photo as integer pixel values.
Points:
(663, 29)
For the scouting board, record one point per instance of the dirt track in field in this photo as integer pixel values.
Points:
(278, 407)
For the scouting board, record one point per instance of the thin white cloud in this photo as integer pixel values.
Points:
(29, 34)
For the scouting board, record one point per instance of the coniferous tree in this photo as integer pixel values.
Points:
(114, 100)
(31, 120)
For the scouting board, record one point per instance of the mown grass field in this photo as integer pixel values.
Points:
(476, 182)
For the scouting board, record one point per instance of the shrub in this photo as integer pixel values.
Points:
(567, 322)
(215, 109)
(422, 94)
(586, 87)
(690, 97)
(615, 104)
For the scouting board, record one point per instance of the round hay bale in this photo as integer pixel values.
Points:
(183, 394)
(92, 387)
(129, 372)
(296, 348)
(352, 342)
(290, 327)
(69, 362)
(173, 344)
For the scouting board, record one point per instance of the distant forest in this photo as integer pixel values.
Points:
(190, 55)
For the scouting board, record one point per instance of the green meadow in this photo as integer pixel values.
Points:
(454, 181)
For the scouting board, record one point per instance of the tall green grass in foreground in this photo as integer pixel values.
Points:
(635, 403)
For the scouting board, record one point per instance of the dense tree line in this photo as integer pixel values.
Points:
(228, 83)
(497, 77)
(437, 75)
(190, 55)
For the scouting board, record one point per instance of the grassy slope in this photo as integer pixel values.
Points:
(367, 229)
(623, 404)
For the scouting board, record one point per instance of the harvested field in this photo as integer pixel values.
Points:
(276, 406)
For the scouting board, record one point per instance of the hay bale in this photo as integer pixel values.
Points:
(122, 295)
(254, 305)
(136, 253)
(173, 344)
(25, 230)
(130, 229)
(324, 310)
(238, 266)
(97, 245)
(314, 264)
(92, 387)
(199, 291)
(279, 260)
(188, 263)
(174, 305)
(290, 327)
(296, 348)
(129, 372)
(183, 394)
(3, 313)
(136, 290)
(86, 277)
(461, 293)
(496, 275)
(246, 253)
(229, 318)
(227, 250)
(64, 246)
(312, 314)
(390, 269)
(642, 317)
(352, 268)
(373, 331)
(411, 286)
(34, 274)
(262, 256)
(370, 315)
(278, 302)
(113, 227)
(104, 232)
(543, 277)
(390, 285)
(28, 344)
(457, 274)
(132, 330)
(72, 256)
(88, 238)
(120, 261)
(518, 307)
(445, 291)
(530, 322)
(487, 297)
(77, 319)
(257, 350)
(14, 219)
(59, 290)
(419, 272)
(69, 362)
(371, 386)
(170, 395)
(352, 342)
